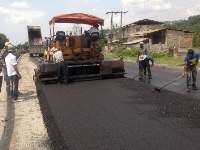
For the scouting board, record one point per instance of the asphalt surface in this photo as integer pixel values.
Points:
(162, 75)
(121, 114)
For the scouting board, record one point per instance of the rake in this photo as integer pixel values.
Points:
(158, 89)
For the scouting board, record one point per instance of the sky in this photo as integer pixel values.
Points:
(17, 14)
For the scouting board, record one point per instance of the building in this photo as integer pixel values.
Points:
(154, 35)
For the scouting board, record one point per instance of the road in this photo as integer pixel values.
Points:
(162, 75)
(24, 127)
(121, 114)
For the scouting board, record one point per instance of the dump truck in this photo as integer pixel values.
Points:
(35, 41)
(81, 60)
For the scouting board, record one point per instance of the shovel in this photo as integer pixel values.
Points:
(158, 89)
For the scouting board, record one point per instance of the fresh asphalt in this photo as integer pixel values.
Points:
(123, 114)
(162, 75)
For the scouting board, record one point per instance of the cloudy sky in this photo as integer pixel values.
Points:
(17, 14)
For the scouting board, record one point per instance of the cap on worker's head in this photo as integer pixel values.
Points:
(190, 51)
(141, 43)
(7, 44)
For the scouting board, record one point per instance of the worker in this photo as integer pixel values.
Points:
(147, 66)
(191, 62)
(87, 39)
(3, 54)
(59, 60)
(12, 71)
(142, 55)
(94, 33)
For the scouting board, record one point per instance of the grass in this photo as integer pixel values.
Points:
(166, 60)
(171, 61)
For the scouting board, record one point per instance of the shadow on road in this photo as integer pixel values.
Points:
(29, 95)
(9, 125)
(52, 129)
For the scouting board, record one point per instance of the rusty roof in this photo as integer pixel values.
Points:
(135, 41)
(144, 22)
(142, 33)
(147, 22)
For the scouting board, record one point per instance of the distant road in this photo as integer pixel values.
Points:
(161, 75)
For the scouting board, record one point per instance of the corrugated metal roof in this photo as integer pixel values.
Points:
(135, 41)
(146, 32)
(147, 22)
(143, 22)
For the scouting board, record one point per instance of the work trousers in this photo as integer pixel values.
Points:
(13, 86)
(147, 69)
(144, 67)
(61, 72)
(194, 77)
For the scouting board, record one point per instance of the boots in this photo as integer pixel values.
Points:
(194, 87)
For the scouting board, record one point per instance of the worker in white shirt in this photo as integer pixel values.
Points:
(59, 60)
(12, 71)
(57, 55)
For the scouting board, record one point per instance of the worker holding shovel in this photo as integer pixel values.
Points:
(190, 71)
(142, 53)
(191, 62)
(144, 63)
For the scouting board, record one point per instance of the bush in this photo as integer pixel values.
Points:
(125, 52)
(158, 54)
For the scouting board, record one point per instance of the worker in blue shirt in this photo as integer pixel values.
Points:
(191, 62)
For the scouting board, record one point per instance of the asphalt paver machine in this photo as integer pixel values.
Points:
(81, 60)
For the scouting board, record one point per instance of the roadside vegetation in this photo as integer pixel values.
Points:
(130, 54)
(191, 24)
(3, 39)
(20, 48)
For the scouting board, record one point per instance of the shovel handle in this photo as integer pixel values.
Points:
(170, 82)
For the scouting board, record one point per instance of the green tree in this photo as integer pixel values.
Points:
(3, 39)
(192, 24)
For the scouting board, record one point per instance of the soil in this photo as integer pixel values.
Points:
(26, 129)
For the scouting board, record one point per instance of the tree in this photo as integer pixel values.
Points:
(191, 24)
(3, 39)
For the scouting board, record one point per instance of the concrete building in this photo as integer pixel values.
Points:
(154, 35)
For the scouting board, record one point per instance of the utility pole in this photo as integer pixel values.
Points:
(115, 13)
(121, 22)
(111, 22)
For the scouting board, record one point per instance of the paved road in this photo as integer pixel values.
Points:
(162, 75)
(121, 114)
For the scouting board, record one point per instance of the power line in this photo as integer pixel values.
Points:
(111, 23)
(115, 13)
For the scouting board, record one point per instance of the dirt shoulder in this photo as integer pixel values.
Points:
(26, 130)
(3, 115)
